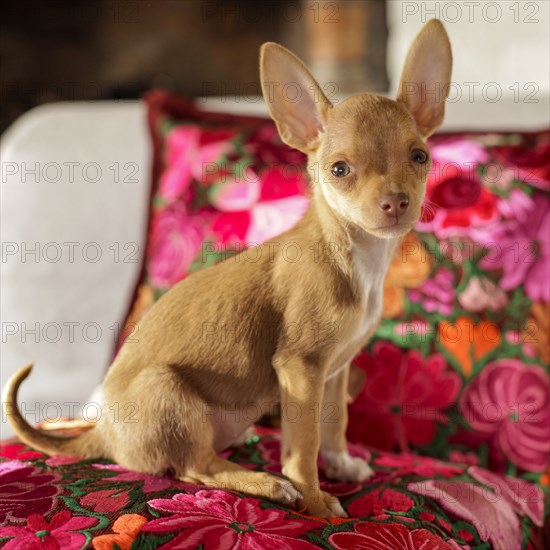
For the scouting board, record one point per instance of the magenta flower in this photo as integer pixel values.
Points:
(436, 294)
(371, 536)
(522, 250)
(176, 240)
(510, 402)
(492, 516)
(525, 498)
(151, 484)
(517, 206)
(223, 521)
(58, 533)
(25, 489)
(406, 464)
(190, 156)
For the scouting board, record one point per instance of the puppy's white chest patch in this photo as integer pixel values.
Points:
(370, 271)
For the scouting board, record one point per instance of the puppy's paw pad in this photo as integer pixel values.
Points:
(344, 467)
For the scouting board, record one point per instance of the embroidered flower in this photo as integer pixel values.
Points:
(403, 398)
(436, 295)
(151, 484)
(223, 521)
(406, 464)
(491, 515)
(371, 536)
(26, 490)
(377, 503)
(510, 401)
(176, 240)
(126, 528)
(19, 452)
(481, 294)
(522, 250)
(106, 500)
(58, 533)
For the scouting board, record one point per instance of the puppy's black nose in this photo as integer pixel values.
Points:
(394, 205)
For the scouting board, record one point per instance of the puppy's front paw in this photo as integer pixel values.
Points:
(344, 467)
(323, 505)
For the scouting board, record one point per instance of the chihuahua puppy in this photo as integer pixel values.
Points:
(294, 318)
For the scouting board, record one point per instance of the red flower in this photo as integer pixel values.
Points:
(223, 521)
(108, 500)
(528, 164)
(19, 452)
(383, 536)
(403, 398)
(406, 464)
(265, 145)
(57, 534)
(377, 502)
(456, 199)
(280, 182)
(151, 483)
(26, 489)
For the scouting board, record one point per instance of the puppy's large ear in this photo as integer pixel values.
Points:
(426, 77)
(295, 100)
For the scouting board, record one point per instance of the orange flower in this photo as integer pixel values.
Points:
(467, 341)
(537, 330)
(126, 528)
(409, 269)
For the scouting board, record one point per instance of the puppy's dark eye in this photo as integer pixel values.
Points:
(419, 156)
(340, 169)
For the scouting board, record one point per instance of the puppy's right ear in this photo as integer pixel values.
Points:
(294, 98)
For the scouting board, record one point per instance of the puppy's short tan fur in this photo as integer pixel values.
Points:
(284, 331)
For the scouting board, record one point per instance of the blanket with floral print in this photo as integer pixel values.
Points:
(411, 503)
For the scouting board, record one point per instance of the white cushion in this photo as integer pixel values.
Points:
(99, 202)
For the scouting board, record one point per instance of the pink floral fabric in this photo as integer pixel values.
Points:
(411, 503)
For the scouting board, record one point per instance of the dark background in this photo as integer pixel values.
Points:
(116, 49)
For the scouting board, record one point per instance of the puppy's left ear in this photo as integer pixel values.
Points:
(426, 77)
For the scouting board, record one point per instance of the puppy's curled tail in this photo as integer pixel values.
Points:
(86, 445)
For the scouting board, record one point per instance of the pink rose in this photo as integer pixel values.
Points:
(176, 240)
(482, 294)
(235, 194)
(269, 219)
(510, 401)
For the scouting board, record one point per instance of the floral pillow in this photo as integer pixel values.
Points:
(458, 368)
(220, 183)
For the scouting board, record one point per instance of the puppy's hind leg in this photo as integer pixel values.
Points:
(204, 466)
(219, 473)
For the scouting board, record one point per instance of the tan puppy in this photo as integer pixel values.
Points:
(225, 344)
